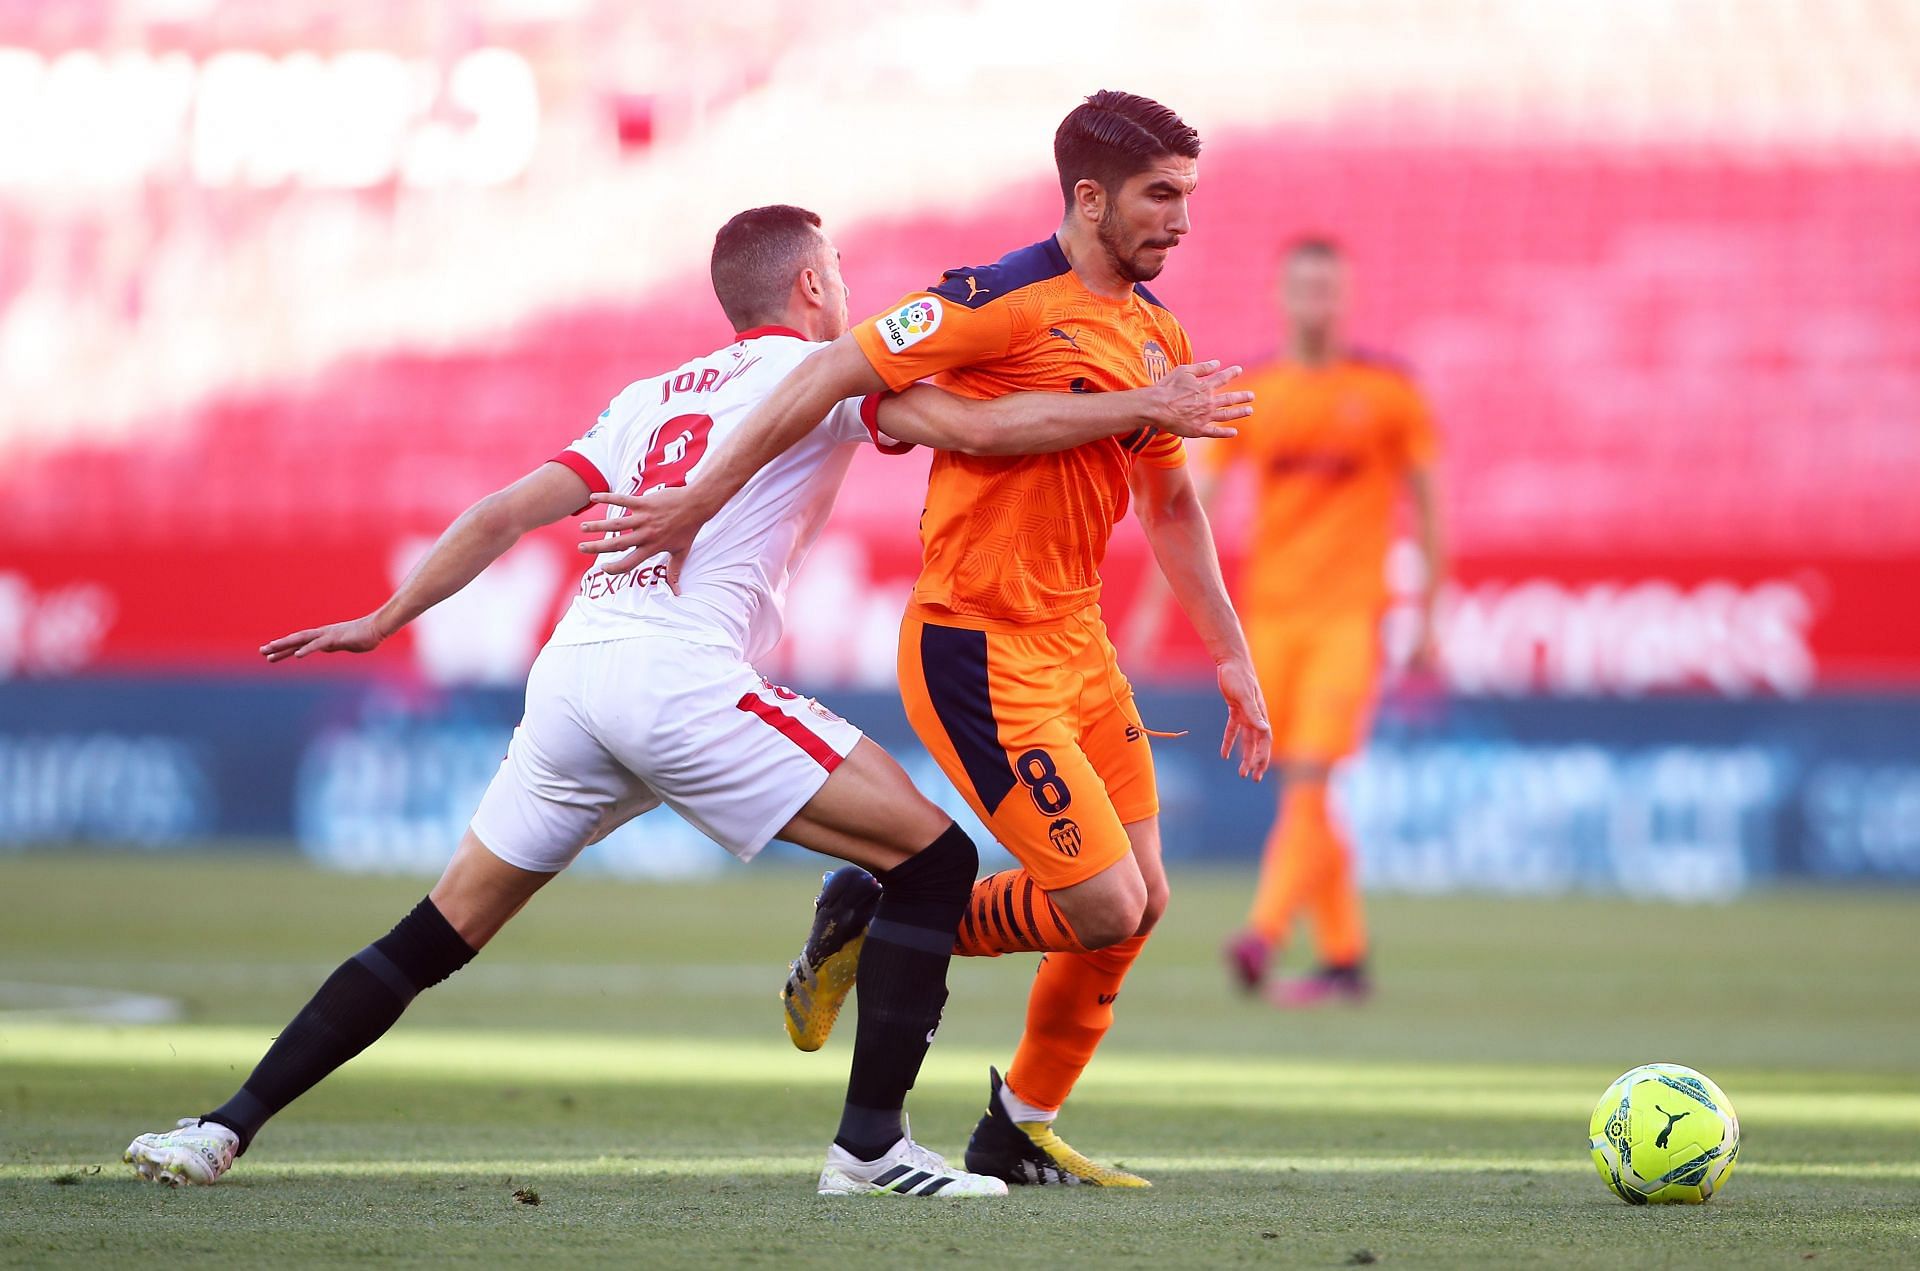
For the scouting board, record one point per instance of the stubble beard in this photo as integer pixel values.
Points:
(1128, 266)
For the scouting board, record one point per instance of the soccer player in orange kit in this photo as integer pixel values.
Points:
(1336, 436)
(1006, 668)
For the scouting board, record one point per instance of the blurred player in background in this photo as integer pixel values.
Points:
(647, 695)
(1006, 669)
(1336, 437)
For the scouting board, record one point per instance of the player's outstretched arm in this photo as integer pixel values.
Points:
(1193, 401)
(478, 537)
(668, 519)
(1176, 526)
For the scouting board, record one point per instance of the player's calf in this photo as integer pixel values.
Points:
(903, 987)
(359, 1002)
(1009, 912)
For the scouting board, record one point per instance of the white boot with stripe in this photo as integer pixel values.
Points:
(907, 1169)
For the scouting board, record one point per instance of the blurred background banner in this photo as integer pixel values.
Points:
(283, 288)
(1681, 797)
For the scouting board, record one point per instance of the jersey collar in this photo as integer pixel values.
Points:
(755, 333)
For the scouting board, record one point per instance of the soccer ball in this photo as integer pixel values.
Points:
(1664, 1134)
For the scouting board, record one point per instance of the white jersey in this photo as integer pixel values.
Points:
(654, 436)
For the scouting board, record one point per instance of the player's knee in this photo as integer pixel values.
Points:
(1158, 894)
(941, 869)
(1113, 918)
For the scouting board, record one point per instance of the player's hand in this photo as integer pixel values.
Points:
(1194, 401)
(662, 521)
(1246, 718)
(361, 635)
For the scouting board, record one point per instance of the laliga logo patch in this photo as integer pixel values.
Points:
(1155, 358)
(910, 324)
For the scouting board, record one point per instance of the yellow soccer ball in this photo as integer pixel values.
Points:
(1664, 1134)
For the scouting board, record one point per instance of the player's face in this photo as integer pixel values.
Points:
(1313, 291)
(1146, 218)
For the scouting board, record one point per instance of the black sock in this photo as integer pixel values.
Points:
(902, 979)
(360, 1001)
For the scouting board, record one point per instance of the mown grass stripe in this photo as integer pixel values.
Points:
(767, 1166)
(1127, 1078)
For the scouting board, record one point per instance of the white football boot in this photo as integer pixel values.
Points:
(906, 1170)
(195, 1151)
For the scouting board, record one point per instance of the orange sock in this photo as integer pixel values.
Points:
(1336, 905)
(1009, 913)
(1293, 863)
(1068, 1011)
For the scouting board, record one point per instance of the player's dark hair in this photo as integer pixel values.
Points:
(1113, 135)
(755, 256)
(1316, 246)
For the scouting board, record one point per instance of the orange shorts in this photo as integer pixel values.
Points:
(1037, 728)
(1319, 676)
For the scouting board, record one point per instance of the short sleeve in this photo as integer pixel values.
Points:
(1164, 450)
(858, 419)
(926, 335)
(592, 457)
(1419, 444)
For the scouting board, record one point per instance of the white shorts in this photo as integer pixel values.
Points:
(615, 729)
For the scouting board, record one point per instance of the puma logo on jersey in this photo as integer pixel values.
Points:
(975, 289)
(1058, 334)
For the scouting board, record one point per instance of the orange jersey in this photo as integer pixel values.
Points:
(1330, 449)
(1018, 540)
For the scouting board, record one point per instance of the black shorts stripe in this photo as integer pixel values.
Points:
(1026, 896)
(954, 661)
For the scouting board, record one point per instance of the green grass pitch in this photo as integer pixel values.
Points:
(618, 1054)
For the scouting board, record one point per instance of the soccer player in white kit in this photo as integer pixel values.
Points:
(646, 694)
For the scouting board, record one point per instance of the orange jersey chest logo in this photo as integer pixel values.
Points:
(1155, 359)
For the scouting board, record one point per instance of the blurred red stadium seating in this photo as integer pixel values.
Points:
(1685, 351)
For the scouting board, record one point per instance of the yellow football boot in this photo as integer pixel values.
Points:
(1030, 1153)
(819, 979)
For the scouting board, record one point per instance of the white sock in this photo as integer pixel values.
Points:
(1020, 1110)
